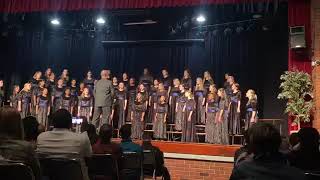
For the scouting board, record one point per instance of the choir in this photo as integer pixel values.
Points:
(159, 101)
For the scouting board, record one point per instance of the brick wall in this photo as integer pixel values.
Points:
(182, 169)
(315, 23)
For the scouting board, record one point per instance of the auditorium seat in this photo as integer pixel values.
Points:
(60, 168)
(131, 166)
(10, 170)
(149, 165)
(102, 165)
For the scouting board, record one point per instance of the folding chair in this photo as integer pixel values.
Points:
(103, 165)
(131, 166)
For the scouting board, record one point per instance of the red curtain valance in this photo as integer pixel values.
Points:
(15, 6)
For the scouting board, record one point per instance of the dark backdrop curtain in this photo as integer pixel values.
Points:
(15, 6)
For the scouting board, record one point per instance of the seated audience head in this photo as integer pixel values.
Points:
(309, 139)
(31, 128)
(264, 138)
(125, 131)
(11, 126)
(105, 133)
(62, 119)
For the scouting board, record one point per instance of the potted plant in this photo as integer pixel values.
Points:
(296, 88)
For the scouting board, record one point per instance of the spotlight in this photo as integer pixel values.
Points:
(55, 21)
(201, 19)
(100, 20)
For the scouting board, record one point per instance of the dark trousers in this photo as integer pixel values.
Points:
(105, 112)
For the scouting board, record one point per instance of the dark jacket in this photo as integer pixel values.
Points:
(103, 93)
(22, 151)
(271, 167)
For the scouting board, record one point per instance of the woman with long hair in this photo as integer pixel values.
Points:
(66, 100)
(234, 110)
(200, 98)
(137, 117)
(56, 95)
(153, 96)
(188, 125)
(43, 107)
(85, 104)
(89, 81)
(14, 98)
(186, 79)
(131, 96)
(180, 103)
(208, 80)
(251, 109)
(160, 119)
(174, 95)
(211, 112)
(24, 103)
(118, 113)
(221, 135)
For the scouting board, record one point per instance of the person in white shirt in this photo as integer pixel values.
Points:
(61, 142)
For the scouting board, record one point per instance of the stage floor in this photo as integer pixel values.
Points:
(193, 148)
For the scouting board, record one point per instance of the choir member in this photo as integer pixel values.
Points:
(125, 79)
(81, 88)
(24, 103)
(65, 77)
(51, 82)
(221, 131)
(145, 95)
(162, 91)
(131, 96)
(188, 125)
(174, 95)
(226, 82)
(66, 100)
(251, 109)
(35, 79)
(211, 112)
(47, 73)
(166, 80)
(1, 92)
(186, 79)
(85, 104)
(160, 119)
(228, 90)
(208, 80)
(234, 110)
(181, 101)
(74, 95)
(37, 91)
(146, 79)
(14, 98)
(119, 108)
(115, 83)
(89, 81)
(43, 107)
(199, 96)
(137, 117)
(152, 100)
(57, 95)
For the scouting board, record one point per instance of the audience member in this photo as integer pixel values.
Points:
(104, 144)
(160, 168)
(267, 162)
(294, 141)
(307, 155)
(243, 152)
(62, 142)
(31, 129)
(12, 145)
(126, 143)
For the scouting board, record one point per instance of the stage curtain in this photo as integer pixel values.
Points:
(299, 15)
(15, 6)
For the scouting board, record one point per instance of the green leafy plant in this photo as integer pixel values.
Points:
(296, 88)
